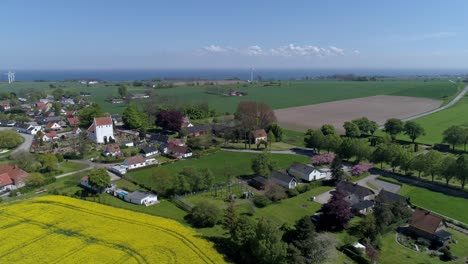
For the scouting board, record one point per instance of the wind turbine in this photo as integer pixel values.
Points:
(11, 76)
(252, 69)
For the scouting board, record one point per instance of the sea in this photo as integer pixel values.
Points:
(217, 74)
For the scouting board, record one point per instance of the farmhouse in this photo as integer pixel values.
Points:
(141, 198)
(429, 226)
(149, 151)
(17, 175)
(258, 136)
(282, 178)
(306, 172)
(102, 130)
(134, 162)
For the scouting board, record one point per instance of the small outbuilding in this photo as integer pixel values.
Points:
(141, 198)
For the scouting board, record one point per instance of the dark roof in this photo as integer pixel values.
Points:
(305, 169)
(260, 179)
(386, 196)
(443, 235)
(282, 176)
(353, 188)
(45, 120)
(22, 125)
(199, 128)
(138, 195)
(362, 205)
(147, 150)
(425, 221)
(159, 138)
(178, 149)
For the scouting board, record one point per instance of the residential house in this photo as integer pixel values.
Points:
(16, 174)
(119, 169)
(117, 119)
(158, 138)
(46, 137)
(70, 113)
(282, 178)
(73, 121)
(357, 196)
(198, 130)
(258, 136)
(5, 106)
(101, 130)
(429, 226)
(178, 151)
(112, 150)
(22, 127)
(76, 130)
(176, 141)
(149, 151)
(42, 120)
(6, 183)
(186, 122)
(306, 172)
(141, 198)
(134, 162)
(390, 198)
(53, 126)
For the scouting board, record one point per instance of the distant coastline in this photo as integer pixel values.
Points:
(217, 74)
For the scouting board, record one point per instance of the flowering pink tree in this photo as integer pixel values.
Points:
(361, 168)
(323, 159)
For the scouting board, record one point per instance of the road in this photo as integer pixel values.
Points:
(450, 104)
(24, 146)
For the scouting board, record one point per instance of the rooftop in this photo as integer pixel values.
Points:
(425, 221)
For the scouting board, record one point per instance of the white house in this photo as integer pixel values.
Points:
(306, 172)
(118, 169)
(5, 182)
(102, 130)
(149, 151)
(134, 162)
(27, 128)
(141, 198)
(48, 136)
(53, 126)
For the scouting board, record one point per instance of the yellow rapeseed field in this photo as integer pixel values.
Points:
(57, 229)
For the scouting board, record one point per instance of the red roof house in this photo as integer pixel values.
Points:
(17, 175)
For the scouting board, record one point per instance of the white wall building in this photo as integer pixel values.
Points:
(102, 130)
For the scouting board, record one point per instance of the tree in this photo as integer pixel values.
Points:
(35, 179)
(205, 214)
(314, 139)
(49, 162)
(461, 169)
(242, 238)
(99, 178)
(262, 165)
(418, 163)
(169, 120)
(433, 160)
(274, 192)
(123, 90)
(231, 218)
(25, 161)
(449, 168)
(336, 168)
(393, 127)
(361, 150)
(276, 130)
(270, 138)
(404, 159)
(181, 184)
(10, 139)
(345, 151)
(328, 129)
(366, 228)
(133, 118)
(331, 142)
(267, 247)
(465, 138)
(379, 154)
(88, 114)
(336, 213)
(454, 136)
(413, 130)
(365, 125)
(351, 129)
(254, 115)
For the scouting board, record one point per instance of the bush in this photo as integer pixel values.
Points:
(303, 188)
(261, 201)
(205, 214)
(361, 168)
(59, 157)
(292, 192)
(321, 159)
(10, 139)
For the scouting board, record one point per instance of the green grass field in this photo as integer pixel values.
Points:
(288, 94)
(240, 163)
(436, 123)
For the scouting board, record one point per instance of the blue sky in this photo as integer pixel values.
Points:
(144, 34)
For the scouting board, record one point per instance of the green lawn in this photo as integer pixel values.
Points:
(297, 92)
(240, 163)
(70, 166)
(293, 137)
(436, 123)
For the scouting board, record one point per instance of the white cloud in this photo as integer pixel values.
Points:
(284, 51)
(357, 52)
(215, 49)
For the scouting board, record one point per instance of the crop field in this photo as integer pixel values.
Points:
(377, 108)
(279, 95)
(239, 162)
(56, 229)
(435, 124)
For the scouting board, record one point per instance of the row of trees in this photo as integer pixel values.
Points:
(395, 126)
(456, 135)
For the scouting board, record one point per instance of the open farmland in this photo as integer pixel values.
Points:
(377, 108)
(56, 229)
